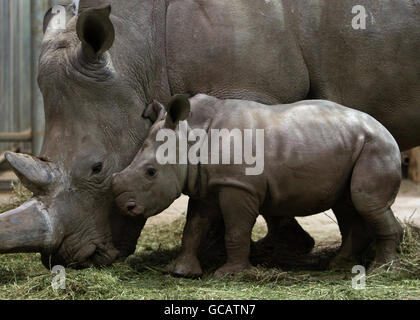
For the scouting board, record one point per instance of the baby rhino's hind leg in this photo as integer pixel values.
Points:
(375, 183)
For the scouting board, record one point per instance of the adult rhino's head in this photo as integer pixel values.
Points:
(95, 82)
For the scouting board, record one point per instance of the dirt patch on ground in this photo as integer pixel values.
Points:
(5, 198)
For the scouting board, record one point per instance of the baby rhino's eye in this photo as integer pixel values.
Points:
(151, 172)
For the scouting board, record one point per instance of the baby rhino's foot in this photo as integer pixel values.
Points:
(185, 267)
(231, 269)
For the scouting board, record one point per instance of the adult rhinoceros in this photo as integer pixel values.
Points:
(98, 75)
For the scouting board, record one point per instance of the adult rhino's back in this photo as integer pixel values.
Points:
(235, 49)
(375, 69)
(284, 51)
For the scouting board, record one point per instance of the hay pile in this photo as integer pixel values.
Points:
(410, 250)
(20, 195)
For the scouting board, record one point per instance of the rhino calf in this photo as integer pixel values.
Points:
(317, 155)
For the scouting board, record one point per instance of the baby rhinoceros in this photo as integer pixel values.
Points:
(314, 156)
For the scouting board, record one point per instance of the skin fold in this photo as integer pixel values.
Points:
(318, 155)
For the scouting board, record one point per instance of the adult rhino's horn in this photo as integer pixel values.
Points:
(28, 228)
(35, 174)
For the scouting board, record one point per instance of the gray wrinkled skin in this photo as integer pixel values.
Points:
(318, 155)
(97, 84)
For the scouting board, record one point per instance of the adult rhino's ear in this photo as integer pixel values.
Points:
(154, 111)
(178, 109)
(96, 31)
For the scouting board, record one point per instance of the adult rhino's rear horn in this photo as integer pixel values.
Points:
(35, 174)
(29, 228)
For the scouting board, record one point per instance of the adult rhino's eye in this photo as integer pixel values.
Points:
(97, 168)
(151, 172)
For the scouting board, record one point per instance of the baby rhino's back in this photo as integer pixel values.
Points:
(310, 149)
(312, 152)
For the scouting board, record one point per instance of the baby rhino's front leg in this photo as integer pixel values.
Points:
(240, 211)
(202, 215)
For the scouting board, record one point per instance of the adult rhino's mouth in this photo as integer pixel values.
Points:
(31, 228)
(85, 256)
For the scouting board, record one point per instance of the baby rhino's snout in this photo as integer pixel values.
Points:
(125, 198)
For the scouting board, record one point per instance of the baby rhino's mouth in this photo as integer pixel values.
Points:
(128, 205)
(132, 209)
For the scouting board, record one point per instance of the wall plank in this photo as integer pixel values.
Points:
(20, 39)
(414, 165)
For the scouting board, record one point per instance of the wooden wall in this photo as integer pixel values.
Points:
(414, 165)
(21, 105)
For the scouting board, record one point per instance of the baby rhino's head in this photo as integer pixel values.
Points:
(149, 185)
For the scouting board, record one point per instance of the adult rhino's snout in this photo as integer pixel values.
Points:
(125, 198)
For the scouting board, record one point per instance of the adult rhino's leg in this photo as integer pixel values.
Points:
(201, 218)
(285, 235)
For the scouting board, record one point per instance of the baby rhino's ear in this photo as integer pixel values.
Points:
(154, 111)
(178, 110)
